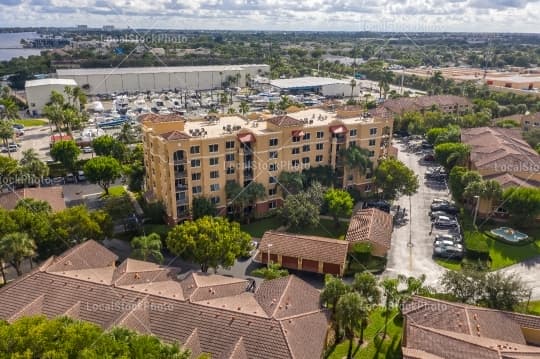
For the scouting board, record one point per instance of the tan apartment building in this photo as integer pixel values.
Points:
(189, 158)
(444, 103)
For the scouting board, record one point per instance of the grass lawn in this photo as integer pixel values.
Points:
(374, 347)
(258, 227)
(326, 228)
(31, 122)
(117, 191)
(449, 263)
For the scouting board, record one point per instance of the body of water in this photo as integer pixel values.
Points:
(10, 45)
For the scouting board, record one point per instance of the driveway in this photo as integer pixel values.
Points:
(529, 272)
(412, 245)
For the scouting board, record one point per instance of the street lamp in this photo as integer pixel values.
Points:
(477, 198)
(268, 262)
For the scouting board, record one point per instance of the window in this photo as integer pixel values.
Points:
(305, 148)
(196, 189)
(372, 142)
(195, 163)
(214, 174)
(296, 139)
(305, 160)
(272, 167)
(213, 148)
(273, 142)
(272, 191)
(318, 158)
(320, 134)
(194, 150)
(196, 176)
(272, 154)
(353, 132)
(272, 179)
(372, 131)
(214, 200)
(319, 146)
(352, 143)
(214, 161)
(230, 170)
(229, 157)
(272, 204)
(214, 187)
(307, 136)
(295, 163)
(371, 153)
(229, 144)
(296, 150)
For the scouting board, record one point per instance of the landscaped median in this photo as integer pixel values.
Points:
(481, 246)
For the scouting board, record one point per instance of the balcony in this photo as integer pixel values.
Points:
(181, 161)
(181, 187)
(180, 174)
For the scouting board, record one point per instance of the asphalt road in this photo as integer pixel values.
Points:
(412, 244)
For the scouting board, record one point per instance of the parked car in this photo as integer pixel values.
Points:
(448, 251)
(18, 126)
(382, 205)
(70, 178)
(455, 238)
(12, 147)
(80, 176)
(445, 222)
(87, 149)
(426, 145)
(434, 215)
(429, 157)
(445, 207)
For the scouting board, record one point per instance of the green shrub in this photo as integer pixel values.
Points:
(362, 251)
(476, 245)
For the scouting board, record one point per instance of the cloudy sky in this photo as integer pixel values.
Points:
(356, 15)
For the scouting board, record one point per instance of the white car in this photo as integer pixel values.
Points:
(87, 149)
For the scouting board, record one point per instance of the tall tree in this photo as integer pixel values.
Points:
(356, 159)
(32, 166)
(522, 203)
(66, 152)
(395, 179)
(334, 288)
(16, 247)
(202, 206)
(146, 247)
(209, 241)
(103, 171)
(290, 182)
(6, 133)
(351, 311)
(254, 191)
(244, 108)
(452, 154)
(353, 85)
(366, 284)
(391, 297)
(340, 204)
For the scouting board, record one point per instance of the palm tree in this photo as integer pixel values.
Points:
(334, 288)
(33, 166)
(6, 133)
(291, 182)
(254, 192)
(236, 197)
(353, 85)
(436, 81)
(148, 246)
(351, 311)
(15, 247)
(244, 108)
(391, 295)
(492, 190)
(11, 110)
(223, 100)
(356, 158)
(385, 79)
(271, 106)
(367, 286)
(126, 134)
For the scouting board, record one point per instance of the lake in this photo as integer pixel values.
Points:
(13, 42)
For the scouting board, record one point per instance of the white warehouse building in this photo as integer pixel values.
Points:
(324, 86)
(142, 79)
(38, 92)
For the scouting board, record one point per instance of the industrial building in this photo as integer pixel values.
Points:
(38, 92)
(324, 86)
(186, 159)
(142, 79)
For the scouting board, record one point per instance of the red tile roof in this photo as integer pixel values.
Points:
(175, 135)
(315, 248)
(411, 104)
(155, 118)
(371, 225)
(455, 330)
(293, 327)
(285, 121)
(52, 195)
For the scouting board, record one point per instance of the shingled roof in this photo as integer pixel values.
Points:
(149, 298)
(175, 136)
(371, 225)
(314, 248)
(156, 118)
(454, 330)
(410, 104)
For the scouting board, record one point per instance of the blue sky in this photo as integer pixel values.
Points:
(354, 15)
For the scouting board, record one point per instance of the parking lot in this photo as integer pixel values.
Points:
(412, 244)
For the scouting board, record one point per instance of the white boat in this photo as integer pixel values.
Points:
(96, 106)
(121, 104)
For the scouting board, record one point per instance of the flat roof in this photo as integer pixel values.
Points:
(146, 70)
(309, 81)
(515, 78)
(48, 82)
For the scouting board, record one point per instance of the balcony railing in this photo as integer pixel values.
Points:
(181, 174)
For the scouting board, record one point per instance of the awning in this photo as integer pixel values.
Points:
(338, 129)
(298, 133)
(246, 137)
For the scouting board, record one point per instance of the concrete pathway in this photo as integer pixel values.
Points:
(529, 272)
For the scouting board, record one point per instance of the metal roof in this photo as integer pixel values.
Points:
(151, 70)
(303, 82)
(48, 82)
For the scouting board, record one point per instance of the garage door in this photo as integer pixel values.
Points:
(331, 268)
(309, 265)
(289, 262)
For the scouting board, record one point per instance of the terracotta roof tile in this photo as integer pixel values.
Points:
(315, 248)
(193, 344)
(87, 255)
(175, 135)
(410, 104)
(216, 330)
(285, 121)
(372, 225)
(52, 195)
(237, 351)
(155, 118)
